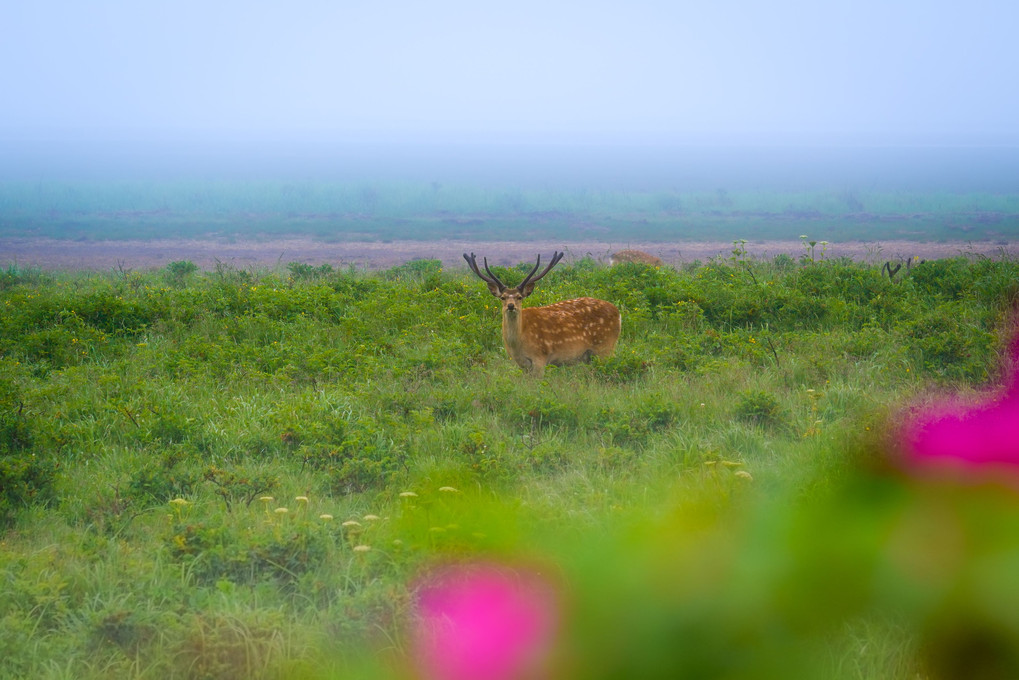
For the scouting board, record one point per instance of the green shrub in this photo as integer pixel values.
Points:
(239, 485)
(417, 270)
(25, 480)
(759, 408)
(635, 424)
(14, 274)
(358, 454)
(951, 278)
(301, 271)
(16, 429)
(621, 366)
(177, 271)
(160, 481)
(544, 411)
(125, 629)
(868, 341)
(949, 345)
(484, 456)
(279, 543)
(616, 459)
(547, 456)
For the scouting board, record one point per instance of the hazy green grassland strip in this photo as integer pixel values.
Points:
(412, 211)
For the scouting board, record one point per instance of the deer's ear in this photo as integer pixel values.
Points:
(527, 290)
(494, 288)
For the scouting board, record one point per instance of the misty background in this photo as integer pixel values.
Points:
(676, 95)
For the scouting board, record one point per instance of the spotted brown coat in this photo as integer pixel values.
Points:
(562, 333)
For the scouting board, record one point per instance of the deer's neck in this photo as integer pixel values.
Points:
(513, 332)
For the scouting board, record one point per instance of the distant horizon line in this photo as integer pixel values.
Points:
(425, 139)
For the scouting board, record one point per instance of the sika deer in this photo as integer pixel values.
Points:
(563, 333)
(637, 256)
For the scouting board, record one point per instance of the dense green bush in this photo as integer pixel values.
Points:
(25, 480)
(176, 272)
(758, 407)
(285, 551)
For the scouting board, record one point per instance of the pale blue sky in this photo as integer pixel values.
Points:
(849, 70)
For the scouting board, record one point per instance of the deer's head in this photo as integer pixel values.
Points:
(511, 298)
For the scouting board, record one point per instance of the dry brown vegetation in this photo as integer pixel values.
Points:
(242, 254)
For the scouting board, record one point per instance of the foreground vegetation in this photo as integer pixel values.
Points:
(243, 473)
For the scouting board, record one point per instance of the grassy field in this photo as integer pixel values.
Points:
(336, 210)
(245, 474)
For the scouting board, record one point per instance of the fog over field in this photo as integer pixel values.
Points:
(603, 166)
(480, 191)
(669, 101)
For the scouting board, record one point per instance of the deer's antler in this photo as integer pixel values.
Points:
(472, 262)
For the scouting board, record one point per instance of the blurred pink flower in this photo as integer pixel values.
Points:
(968, 439)
(484, 622)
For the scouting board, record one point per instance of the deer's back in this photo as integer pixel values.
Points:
(637, 256)
(572, 327)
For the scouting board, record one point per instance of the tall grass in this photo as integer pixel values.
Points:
(243, 473)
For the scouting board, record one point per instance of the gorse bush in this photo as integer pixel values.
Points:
(144, 417)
